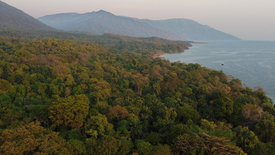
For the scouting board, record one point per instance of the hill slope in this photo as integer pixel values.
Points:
(104, 22)
(14, 19)
(73, 97)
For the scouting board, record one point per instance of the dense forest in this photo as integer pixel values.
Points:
(108, 95)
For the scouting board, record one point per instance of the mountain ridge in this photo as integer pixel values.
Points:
(99, 23)
(173, 29)
(191, 29)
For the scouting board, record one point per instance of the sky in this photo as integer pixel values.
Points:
(247, 19)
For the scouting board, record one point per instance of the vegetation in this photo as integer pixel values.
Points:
(107, 95)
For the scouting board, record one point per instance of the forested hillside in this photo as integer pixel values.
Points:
(109, 96)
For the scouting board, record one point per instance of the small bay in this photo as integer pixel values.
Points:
(253, 62)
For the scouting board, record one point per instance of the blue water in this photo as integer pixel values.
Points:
(253, 62)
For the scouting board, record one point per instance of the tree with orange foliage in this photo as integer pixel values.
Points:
(140, 82)
(117, 113)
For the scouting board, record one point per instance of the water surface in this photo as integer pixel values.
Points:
(253, 62)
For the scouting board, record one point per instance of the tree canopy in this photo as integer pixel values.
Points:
(108, 95)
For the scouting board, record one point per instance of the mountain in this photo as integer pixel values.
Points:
(13, 19)
(101, 22)
(190, 29)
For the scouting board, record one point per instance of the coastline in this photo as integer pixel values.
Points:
(263, 65)
(159, 54)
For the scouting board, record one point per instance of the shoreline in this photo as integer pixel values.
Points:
(233, 75)
(159, 54)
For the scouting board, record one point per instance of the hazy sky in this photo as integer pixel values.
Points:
(247, 19)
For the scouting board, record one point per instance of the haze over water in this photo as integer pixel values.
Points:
(253, 62)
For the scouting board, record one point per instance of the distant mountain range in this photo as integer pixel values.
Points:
(101, 22)
(190, 29)
(13, 19)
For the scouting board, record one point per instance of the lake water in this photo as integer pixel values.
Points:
(253, 62)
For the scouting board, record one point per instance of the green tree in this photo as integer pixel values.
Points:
(265, 128)
(98, 126)
(162, 150)
(100, 90)
(143, 147)
(187, 112)
(106, 145)
(70, 112)
(246, 139)
(221, 105)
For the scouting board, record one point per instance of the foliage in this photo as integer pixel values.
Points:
(32, 138)
(108, 95)
(246, 139)
(69, 112)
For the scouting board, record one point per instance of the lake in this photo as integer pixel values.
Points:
(253, 62)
